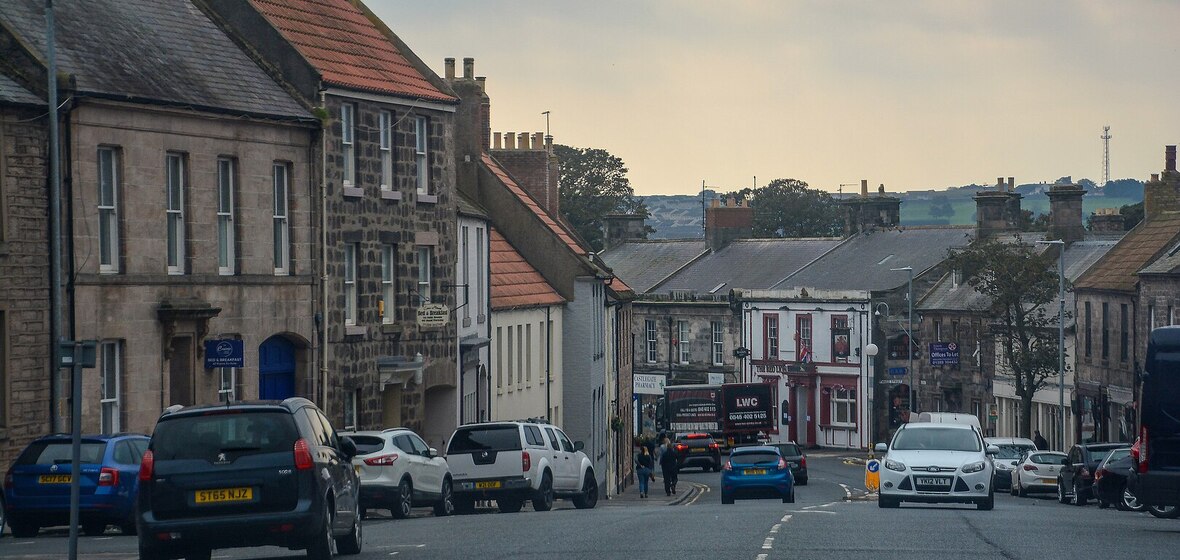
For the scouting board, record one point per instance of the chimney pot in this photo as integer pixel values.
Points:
(1011, 183)
(482, 83)
(538, 140)
(449, 64)
(1155, 177)
(468, 68)
(509, 140)
(881, 189)
(497, 140)
(864, 187)
(1170, 158)
(1000, 183)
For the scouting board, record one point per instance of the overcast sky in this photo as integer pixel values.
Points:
(915, 95)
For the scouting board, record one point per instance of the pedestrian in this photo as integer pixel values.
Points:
(1040, 441)
(644, 464)
(670, 464)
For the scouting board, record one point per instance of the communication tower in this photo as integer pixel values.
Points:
(1105, 155)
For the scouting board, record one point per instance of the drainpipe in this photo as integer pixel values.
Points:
(324, 261)
(548, 364)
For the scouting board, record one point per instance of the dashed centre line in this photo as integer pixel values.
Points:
(768, 543)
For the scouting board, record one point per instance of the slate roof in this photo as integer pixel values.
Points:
(347, 48)
(862, 262)
(467, 207)
(525, 198)
(163, 51)
(1117, 269)
(754, 264)
(644, 263)
(515, 283)
(1169, 263)
(12, 92)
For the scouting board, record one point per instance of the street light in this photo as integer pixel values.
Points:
(1060, 339)
(909, 334)
(871, 351)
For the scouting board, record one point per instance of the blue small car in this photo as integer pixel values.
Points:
(757, 472)
(37, 486)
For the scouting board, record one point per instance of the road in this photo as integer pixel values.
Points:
(822, 524)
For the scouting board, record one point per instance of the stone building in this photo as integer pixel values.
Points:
(24, 266)
(190, 205)
(387, 189)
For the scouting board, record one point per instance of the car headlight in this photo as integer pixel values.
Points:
(1003, 467)
(973, 467)
(894, 465)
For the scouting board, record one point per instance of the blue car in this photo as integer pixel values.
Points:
(757, 472)
(37, 486)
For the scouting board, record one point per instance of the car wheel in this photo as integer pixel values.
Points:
(322, 545)
(509, 505)
(1103, 504)
(716, 467)
(1012, 489)
(988, 503)
(1130, 502)
(94, 528)
(588, 497)
(203, 554)
(1062, 497)
(802, 481)
(1, 515)
(128, 528)
(24, 530)
(1164, 512)
(789, 498)
(351, 543)
(888, 503)
(446, 502)
(726, 498)
(464, 506)
(146, 553)
(403, 503)
(543, 501)
(1079, 498)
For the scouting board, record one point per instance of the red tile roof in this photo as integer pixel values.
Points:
(515, 283)
(347, 49)
(1117, 269)
(532, 205)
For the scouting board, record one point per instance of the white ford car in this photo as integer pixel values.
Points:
(398, 471)
(937, 463)
(514, 462)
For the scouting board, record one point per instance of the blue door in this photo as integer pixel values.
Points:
(276, 369)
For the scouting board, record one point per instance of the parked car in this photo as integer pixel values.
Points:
(796, 459)
(248, 474)
(1156, 477)
(1110, 481)
(757, 471)
(1037, 472)
(936, 463)
(398, 471)
(950, 418)
(1076, 477)
(512, 462)
(1012, 450)
(37, 486)
(698, 450)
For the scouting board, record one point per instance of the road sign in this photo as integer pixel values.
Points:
(226, 352)
(891, 381)
(896, 371)
(741, 352)
(872, 475)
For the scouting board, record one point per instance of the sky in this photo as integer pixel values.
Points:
(910, 94)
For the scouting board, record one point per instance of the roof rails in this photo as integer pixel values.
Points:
(394, 429)
(535, 420)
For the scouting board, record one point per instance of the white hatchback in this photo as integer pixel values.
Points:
(398, 472)
(936, 463)
(1037, 472)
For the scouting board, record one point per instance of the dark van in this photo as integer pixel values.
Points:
(1156, 477)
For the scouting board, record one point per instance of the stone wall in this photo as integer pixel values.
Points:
(700, 316)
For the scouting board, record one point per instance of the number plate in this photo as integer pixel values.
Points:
(930, 481)
(755, 471)
(1048, 481)
(54, 479)
(698, 450)
(486, 485)
(223, 495)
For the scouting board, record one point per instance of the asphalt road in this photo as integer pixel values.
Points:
(694, 524)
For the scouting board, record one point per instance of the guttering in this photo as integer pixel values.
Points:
(324, 262)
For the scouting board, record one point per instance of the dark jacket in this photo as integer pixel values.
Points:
(669, 459)
(645, 461)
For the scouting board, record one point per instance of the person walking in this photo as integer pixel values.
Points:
(670, 464)
(1040, 441)
(644, 464)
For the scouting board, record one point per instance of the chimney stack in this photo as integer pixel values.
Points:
(472, 119)
(1011, 184)
(1169, 158)
(724, 224)
(865, 213)
(1162, 192)
(1065, 213)
(468, 68)
(1107, 220)
(998, 210)
(864, 188)
(449, 63)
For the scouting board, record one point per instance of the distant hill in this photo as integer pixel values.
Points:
(680, 216)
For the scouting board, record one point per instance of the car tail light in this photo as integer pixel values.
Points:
(303, 455)
(1098, 474)
(728, 466)
(382, 461)
(782, 463)
(108, 477)
(680, 447)
(526, 461)
(147, 465)
(803, 462)
(1142, 455)
(714, 446)
(1030, 467)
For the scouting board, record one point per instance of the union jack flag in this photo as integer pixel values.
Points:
(804, 353)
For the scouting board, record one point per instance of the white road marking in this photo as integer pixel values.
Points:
(762, 557)
(786, 518)
(810, 507)
(818, 511)
(847, 492)
(768, 543)
(775, 528)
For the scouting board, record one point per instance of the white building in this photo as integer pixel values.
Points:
(473, 314)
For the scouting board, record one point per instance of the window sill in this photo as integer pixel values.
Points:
(838, 426)
(391, 195)
(355, 330)
(427, 199)
(353, 192)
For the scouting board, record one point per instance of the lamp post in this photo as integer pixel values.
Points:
(871, 351)
(909, 334)
(1060, 338)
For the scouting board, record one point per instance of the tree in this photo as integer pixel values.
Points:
(1021, 285)
(594, 183)
(1132, 215)
(940, 207)
(788, 208)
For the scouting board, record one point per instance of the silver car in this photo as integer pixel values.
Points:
(398, 472)
(937, 463)
(1037, 472)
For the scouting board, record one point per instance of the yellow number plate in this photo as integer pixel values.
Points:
(224, 495)
(54, 479)
(755, 471)
(486, 485)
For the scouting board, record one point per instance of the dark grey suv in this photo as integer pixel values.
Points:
(247, 474)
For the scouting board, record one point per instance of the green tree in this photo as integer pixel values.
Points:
(1022, 285)
(594, 183)
(1132, 215)
(940, 207)
(788, 208)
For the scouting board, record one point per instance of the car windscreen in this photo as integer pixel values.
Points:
(1097, 454)
(1012, 451)
(367, 444)
(789, 449)
(942, 439)
(1118, 454)
(235, 433)
(1047, 459)
(59, 452)
(754, 458)
(497, 438)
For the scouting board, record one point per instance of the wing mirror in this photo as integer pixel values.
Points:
(881, 448)
(431, 453)
(578, 445)
(348, 447)
(993, 450)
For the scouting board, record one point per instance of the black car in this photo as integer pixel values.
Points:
(261, 473)
(796, 459)
(698, 450)
(1110, 481)
(1156, 478)
(1076, 478)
